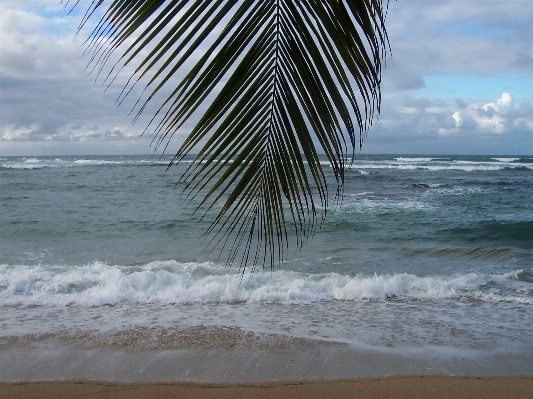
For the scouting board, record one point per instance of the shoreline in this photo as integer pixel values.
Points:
(232, 355)
(439, 387)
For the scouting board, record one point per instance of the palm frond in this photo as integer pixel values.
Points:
(283, 74)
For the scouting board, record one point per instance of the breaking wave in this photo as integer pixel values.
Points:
(172, 282)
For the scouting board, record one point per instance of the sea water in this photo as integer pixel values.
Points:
(423, 254)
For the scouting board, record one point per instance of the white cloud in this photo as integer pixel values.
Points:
(499, 117)
(448, 126)
(13, 132)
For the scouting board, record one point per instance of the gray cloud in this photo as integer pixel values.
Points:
(523, 60)
(46, 93)
(444, 36)
(400, 78)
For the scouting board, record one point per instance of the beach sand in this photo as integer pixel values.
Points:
(412, 387)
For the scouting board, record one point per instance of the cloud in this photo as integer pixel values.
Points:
(452, 126)
(499, 117)
(461, 104)
(46, 95)
(74, 133)
(523, 60)
(49, 104)
(447, 37)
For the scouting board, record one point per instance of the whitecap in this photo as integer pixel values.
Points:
(466, 166)
(506, 159)
(401, 159)
(27, 167)
(173, 282)
(95, 162)
(153, 162)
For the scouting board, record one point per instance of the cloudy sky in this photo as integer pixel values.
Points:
(459, 81)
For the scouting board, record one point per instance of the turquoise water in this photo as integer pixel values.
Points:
(423, 251)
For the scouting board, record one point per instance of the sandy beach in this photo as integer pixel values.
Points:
(392, 387)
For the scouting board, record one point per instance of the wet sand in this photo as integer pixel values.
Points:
(228, 362)
(164, 339)
(412, 387)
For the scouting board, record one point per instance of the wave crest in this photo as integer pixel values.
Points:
(171, 282)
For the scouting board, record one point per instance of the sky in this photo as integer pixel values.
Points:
(458, 80)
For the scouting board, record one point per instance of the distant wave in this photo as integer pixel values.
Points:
(96, 162)
(520, 168)
(401, 159)
(439, 164)
(362, 167)
(506, 159)
(359, 204)
(23, 166)
(460, 166)
(425, 185)
(171, 282)
(34, 163)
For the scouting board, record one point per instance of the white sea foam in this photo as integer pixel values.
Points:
(27, 163)
(459, 190)
(358, 195)
(506, 159)
(150, 162)
(401, 159)
(359, 166)
(170, 282)
(466, 166)
(362, 205)
(23, 166)
(96, 162)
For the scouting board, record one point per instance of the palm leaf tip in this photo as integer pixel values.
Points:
(280, 76)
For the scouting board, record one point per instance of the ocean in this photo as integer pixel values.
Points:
(424, 255)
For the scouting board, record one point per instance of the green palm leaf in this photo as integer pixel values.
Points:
(290, 72)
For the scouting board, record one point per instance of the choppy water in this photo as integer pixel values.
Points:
(422, 252)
